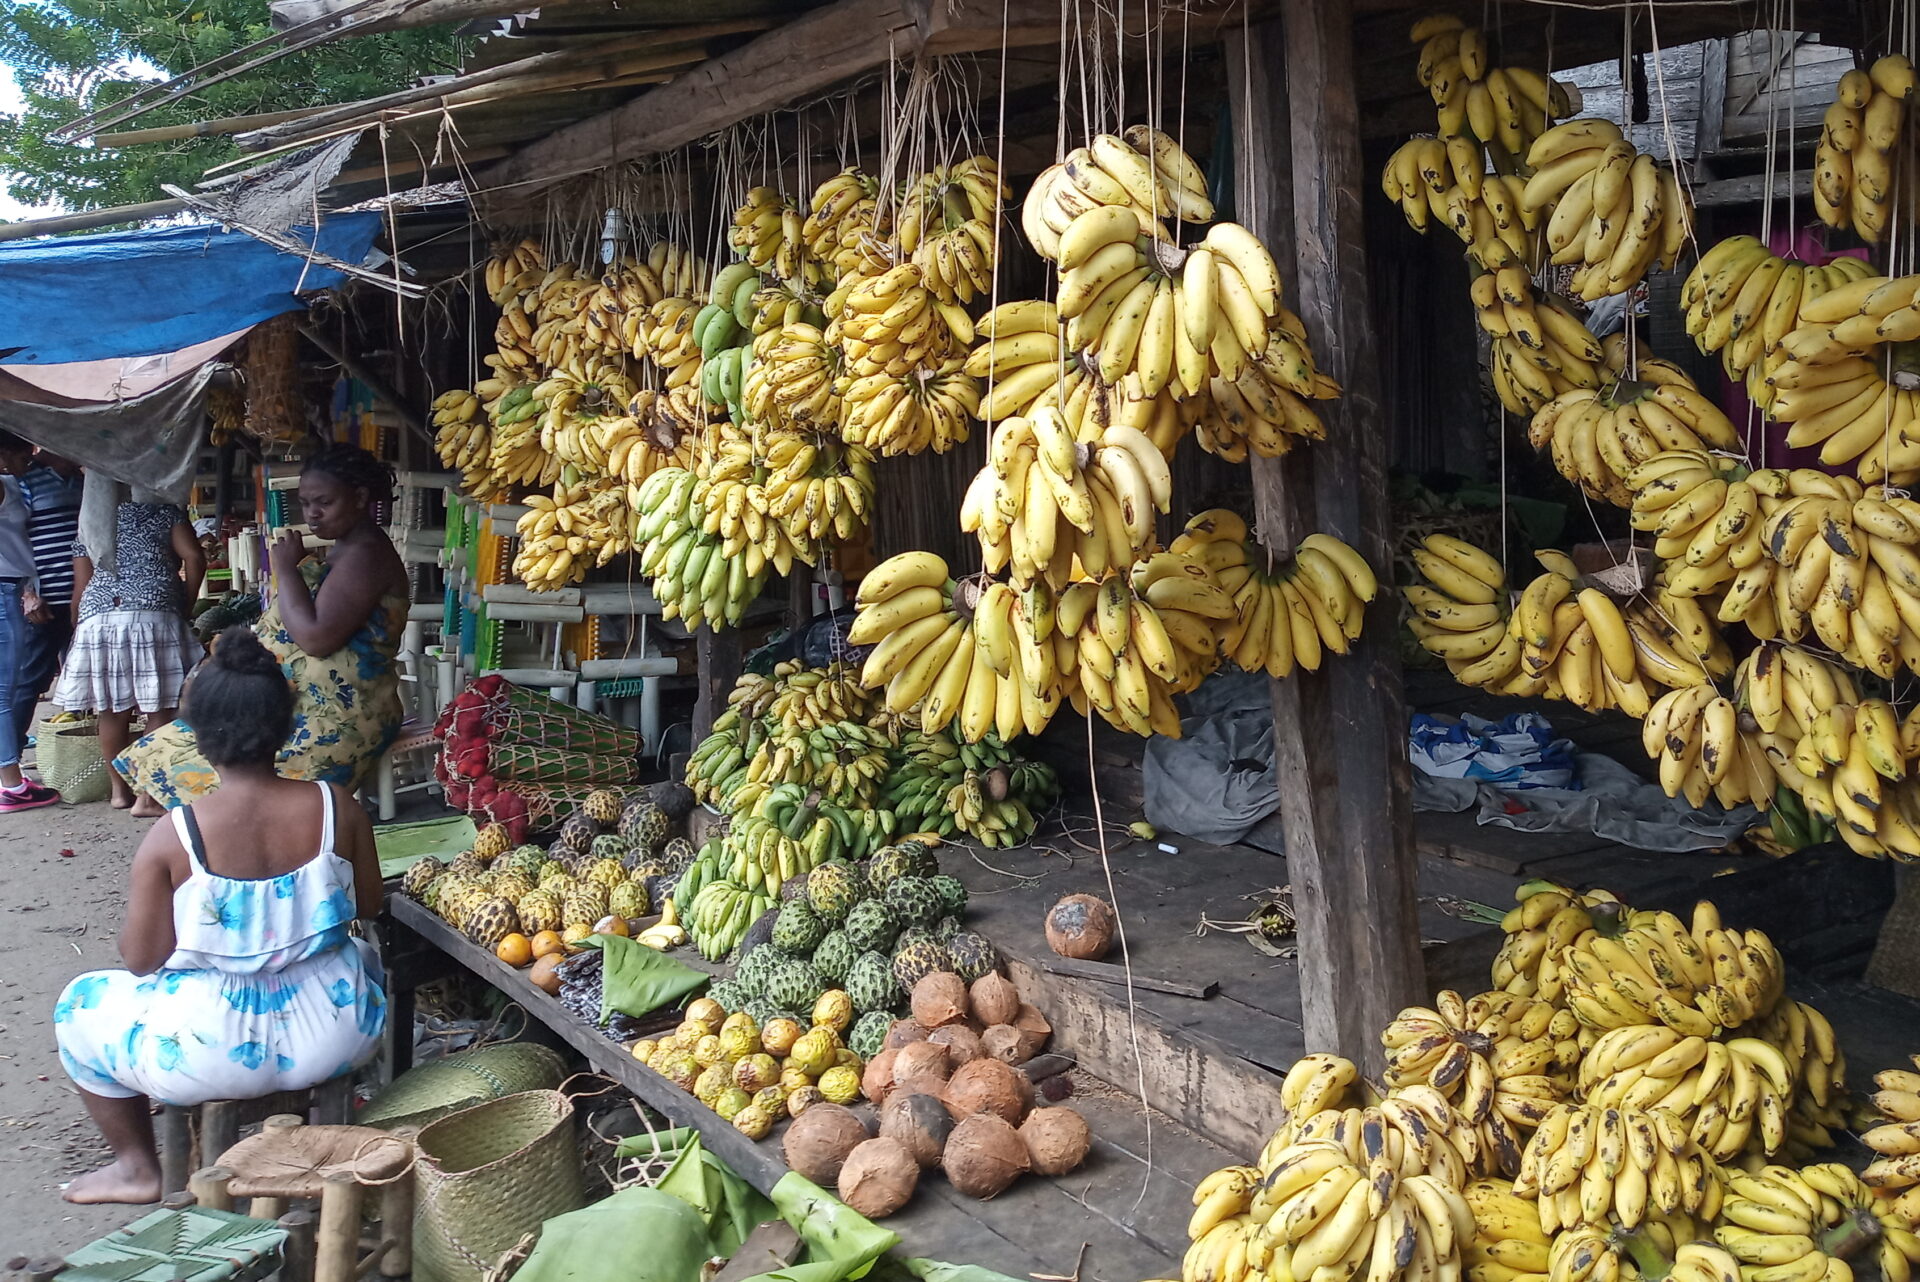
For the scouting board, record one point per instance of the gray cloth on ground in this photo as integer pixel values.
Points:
(1217, 782)
(145, 445)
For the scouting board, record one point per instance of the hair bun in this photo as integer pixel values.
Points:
(239, 651)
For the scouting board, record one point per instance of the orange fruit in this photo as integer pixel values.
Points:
(514, 949)
(612, 926)
(545, 973)
(548, 942)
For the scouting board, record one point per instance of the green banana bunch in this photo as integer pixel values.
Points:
(693, 578)
(720, 915)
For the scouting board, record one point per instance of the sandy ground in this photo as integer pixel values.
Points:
(62, 896)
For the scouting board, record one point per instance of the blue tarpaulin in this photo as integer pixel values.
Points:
(160, 289)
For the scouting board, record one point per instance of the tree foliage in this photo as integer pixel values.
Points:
(75, 56)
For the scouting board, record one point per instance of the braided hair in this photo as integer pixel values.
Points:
(239, 704)
(354, 468)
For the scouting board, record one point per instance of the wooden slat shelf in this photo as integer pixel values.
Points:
(1130, 1214)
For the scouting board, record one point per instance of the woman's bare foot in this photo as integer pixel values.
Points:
(147, 808)
(118, 1181)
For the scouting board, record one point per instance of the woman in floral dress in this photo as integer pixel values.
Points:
(335, 636)
(242, 977)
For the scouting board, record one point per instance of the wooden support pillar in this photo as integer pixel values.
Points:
(1341, 733)
(719, 658)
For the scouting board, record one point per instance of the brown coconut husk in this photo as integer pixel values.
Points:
(922, 1060)
(1057, 1140)
(877, 1079)
(1081, 927)
(903, 1032)
(994, 999)
(1005, 1043)
(988, 1085)
(818, 1142)
(921, 1122)
(961, 1040)
(939, 998)
(878, 1178)
(984, 1154)
(1034, 1027)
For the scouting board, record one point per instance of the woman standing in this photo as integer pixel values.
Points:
(132, 648)
(335, 638)
(241, 978)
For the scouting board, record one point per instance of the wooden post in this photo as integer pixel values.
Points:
(209, 1187)
(396, 1227)
(1340, 734)
(219, 1129)
(720, 659)
(296, 1258)
(338, 1245)
(176, 1147)
(272, 1208)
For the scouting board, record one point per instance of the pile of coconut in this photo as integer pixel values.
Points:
(950, 1093)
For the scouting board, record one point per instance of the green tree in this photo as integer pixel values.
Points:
(75, 56)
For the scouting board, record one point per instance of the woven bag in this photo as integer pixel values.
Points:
(70, 762)
(453, 1082)
(489, 1175)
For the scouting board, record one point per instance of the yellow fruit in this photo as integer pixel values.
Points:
(813, 1053)
(514, 948)
(731, 1102)
(799, 1101)
(643, 1049)
(753, 1121)
(834, 1010)
(707, 1051)
(778, 1037)
(756, 1072)
(794, 1079)
(544, 974)
(713, 1079)
(705, 1010)
(840, 1084)
(548, 942)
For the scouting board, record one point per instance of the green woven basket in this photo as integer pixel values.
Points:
(461, 1080)
(70, 762)
(489, 1175)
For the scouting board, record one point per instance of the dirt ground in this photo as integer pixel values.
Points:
(62, 894)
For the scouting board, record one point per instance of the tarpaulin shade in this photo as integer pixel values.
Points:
(141, 293)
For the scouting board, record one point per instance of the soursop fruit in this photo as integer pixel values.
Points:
(644, 823)
(763, 1011)
(946, 928)
(729, 994)
(871, 985)
(419, 873)
(872, 926)
(755, 968)
(629, 899)
(834, 957)
(973, 955)
(914, 900)
(602, 806)
(800, 929)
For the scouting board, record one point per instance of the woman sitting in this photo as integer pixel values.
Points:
(132, 648)
(242, 978)
(335, 640)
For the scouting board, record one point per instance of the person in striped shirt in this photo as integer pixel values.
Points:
(52, 487)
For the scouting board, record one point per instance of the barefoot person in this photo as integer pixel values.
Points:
(335, 640)
(132, 648)
(242, 978)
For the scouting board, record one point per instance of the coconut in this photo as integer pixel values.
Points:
(1056, 1140)
(921, 1122)
(984, 1154)
(922, 1060)
(1005, 1043)
(818, 1142)
(877, 1080)
(903, 1032)
(962, 1043)
(878, 1177)
(1080, 926)
(1034, 1027)
(939, 998)
(988, 1085)
(994, 999)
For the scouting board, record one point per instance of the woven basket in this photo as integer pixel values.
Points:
(71, 764)
(489, 1175)
(453, 1082)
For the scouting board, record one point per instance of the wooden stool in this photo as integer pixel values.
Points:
(335, 1164)
(219, 1122)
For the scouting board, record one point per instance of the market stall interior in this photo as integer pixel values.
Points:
(1010, 651)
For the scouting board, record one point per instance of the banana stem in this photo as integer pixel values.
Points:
(1644, 1252)
(1858, 1233)
(1609, 919)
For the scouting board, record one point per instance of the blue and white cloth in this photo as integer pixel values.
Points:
(266, 990)
(1518, 751)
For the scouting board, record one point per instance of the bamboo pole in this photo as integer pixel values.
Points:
(201, 128)
(209, 1187)
(89, 219)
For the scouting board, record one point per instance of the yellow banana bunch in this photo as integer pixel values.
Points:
(793, 380)
(1643, 967)
(1597, 436)
(1896, 1171)
(1315, 1083)
(1742, 301)
(1732, 1095)
(1221, 1198)
(1847, 562)
(1545, 922)
(1126, 642)
(818, 488)
(1145, 173)
(1410, 1132)
(1864, 160)
(1836, 381)
(946, 224)
(768, 231)
(1339, 1212)
(513, 270)
(928, 408)
(1496, 1055)
(668, 335)
(1268, 407)
(1442, 178)
(733, 502)
(1586, 1163)
(1535, 326)
(1851, 768)
(1786, 1224)
(1046, 501)
(679, 270)
(1705, 514)
(614, 310)
(1818, 1069)
(1225, 1253)
(844, 230)
(1313, 603)
(1608, 207)
(1693, 734)
(1508, 1243)
(1663, 1246)
(893, 324)
(1505, 108)
(563, 534)
(659, 443)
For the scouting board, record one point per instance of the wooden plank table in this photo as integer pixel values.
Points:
(1129, 1212)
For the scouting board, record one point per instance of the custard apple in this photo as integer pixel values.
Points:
(914, 900)
(834, 956)
(918, 960)
(644, 823)
(524, 860)
(973, 955)
(952, 892)
(795, 985)
(833, 889)
(755, 968)
(577, 833)
(540, 910)
(872, 926)
(491, 920)
(729, 994)
(608, 846)
(871, 985)
(677, 853)
(419, 873)
(799, 929)
(629, 899)
(869, 1035)
(946, 928)
(602, 806)
(907, 859)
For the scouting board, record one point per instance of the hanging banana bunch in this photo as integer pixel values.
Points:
(768, 232)
(792, 383)
(513, 270)
(818, 487)
(580, 525)
(1865, 152)
(1597, 436)
(1742, 301)
(1539, 350)
(1442, 179)
(1613, 210)
(732, 502)
(670, 340)
(693, 578)
(1145, 172)
(1842, 376)
(845, 230)
(946, 226)
(1504, 108)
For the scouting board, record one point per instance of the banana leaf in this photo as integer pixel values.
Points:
(637, 980)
